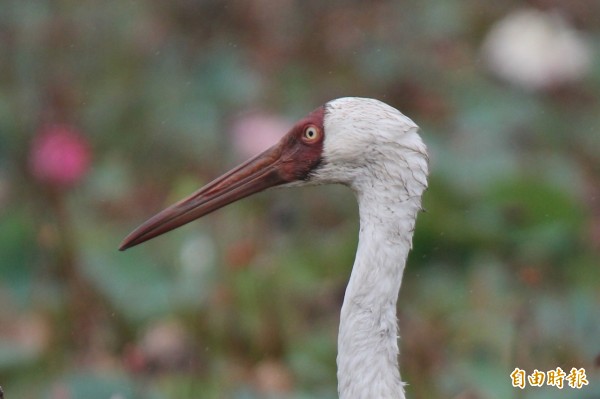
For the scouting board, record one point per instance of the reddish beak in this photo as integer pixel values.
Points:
(257, 174)
(290, 160)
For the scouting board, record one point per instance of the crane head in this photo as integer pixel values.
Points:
(340, 142)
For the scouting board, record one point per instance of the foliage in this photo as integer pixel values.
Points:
(244, 304)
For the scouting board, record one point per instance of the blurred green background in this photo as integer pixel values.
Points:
(111, 110)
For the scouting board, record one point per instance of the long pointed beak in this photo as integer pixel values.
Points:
(259, 173)
(291, 159)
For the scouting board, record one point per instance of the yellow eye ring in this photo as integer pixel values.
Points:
(311, 134)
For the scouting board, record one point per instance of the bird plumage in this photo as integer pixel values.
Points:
(375, 150)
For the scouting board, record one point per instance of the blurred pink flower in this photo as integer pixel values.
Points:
(255, 132)
(59, 155)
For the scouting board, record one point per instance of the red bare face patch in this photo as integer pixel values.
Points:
(302, 148)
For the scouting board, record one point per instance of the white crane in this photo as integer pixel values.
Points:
(376, 151)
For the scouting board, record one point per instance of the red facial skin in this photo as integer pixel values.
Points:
(297, 154)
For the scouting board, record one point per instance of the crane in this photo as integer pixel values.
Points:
(375, 150)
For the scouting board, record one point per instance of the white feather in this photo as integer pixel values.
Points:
(376, 150)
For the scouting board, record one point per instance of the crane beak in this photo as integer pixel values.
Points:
(259, 173)
(288, 161)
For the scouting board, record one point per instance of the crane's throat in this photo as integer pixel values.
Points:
(368, 337)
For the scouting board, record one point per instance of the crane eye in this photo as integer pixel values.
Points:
(311, 134)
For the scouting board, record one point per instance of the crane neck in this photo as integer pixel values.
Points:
(368, 337)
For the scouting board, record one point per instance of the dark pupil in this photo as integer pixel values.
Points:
(310, 133)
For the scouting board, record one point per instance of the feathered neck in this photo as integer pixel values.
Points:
(368, 337)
